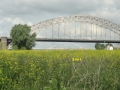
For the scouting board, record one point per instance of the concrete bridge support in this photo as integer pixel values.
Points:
(4, 43)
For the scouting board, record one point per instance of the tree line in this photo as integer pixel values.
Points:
(100, 46)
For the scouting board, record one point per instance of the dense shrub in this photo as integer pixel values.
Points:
(55, 70)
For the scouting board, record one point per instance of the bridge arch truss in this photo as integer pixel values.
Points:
(77, 27)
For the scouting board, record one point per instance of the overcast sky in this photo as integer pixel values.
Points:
(34, 11)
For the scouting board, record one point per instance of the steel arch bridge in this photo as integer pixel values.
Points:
(77, 29)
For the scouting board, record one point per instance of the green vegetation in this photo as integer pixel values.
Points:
(0, 45)
(100, 46)
(21, 37)
(60, 70)
(108, 44)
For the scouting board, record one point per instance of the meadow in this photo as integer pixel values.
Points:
(60, 70)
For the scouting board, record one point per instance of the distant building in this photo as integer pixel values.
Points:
(109, 47)
(117, 46)
(9, 46)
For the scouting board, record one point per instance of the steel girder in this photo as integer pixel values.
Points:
(78, 18)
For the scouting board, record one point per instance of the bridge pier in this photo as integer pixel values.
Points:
(3, 42)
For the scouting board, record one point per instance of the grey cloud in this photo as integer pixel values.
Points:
(38, 7)
(39, 10)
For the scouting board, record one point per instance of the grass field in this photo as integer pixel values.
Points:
(60, 70)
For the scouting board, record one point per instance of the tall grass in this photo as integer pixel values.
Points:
(55, 70)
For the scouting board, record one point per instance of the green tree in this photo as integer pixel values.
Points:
(102, 46)
(99, 46)
(108, 44)
(21, 37)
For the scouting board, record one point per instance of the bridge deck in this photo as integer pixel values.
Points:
(72, 40)
(77, 40)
